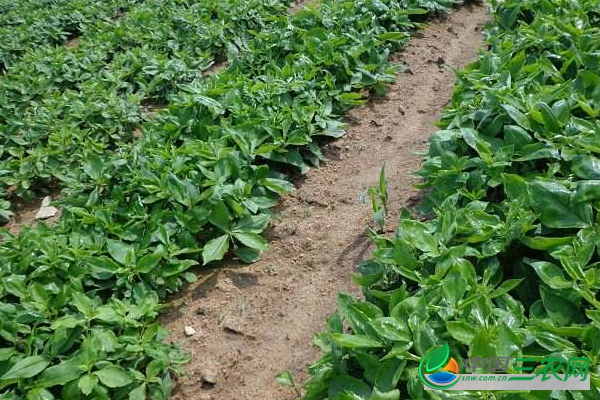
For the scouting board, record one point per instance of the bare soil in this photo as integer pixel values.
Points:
(255, 321)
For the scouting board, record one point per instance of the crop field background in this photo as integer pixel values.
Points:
(250, 199)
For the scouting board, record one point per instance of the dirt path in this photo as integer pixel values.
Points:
(254, 321)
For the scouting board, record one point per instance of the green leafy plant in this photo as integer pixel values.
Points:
(62, 106)
(79, 300)
(509, 265)
(379, 199)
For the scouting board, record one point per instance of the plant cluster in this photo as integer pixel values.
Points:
(509, 265)
(78, 301)
(61, 105)
(29, 23)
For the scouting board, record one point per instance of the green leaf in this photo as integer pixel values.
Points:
(355, 341)
(344, 383)
(148, 262)
(586, 166)
(113, 376)
(86, 383)
(247, 254)
(252, 223)
(391, 395)
(139, 393)
(60, 374)
(177, 189)
(545, 243)
(505, 287)
(560, 309)
(389, 374)
(215, 249)
(417, 234)
(586, 191)
(278, 186)
(121, 252)
(521, 119)
(93, 166)
(285, 378)
(549, 118)
(103, 267)
(551, 275)
(26, 368)
(83, 303)
(39, 394)
(461, 331)
(252, 240)
(454, 285)
(220, 217)
(552, 202)
(391, 329)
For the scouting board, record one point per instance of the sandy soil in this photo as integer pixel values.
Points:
(255, 321)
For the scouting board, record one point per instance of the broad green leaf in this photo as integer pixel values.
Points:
(586, 191)
(545, 243)
(113, 376)
(139, 393)
(521, 119)
(418, 235)
(93, 166)
(560, 309)
(551, 275)
(252, 240)
(60, 374)
(345, 383)
(389, 374)
(549, 118)
(586, 166)
(220, 217)
(247, 254)
(391, 329)
(215, 249)
(462, 331)
(86, 383)
(553, 204)
(26, 368)
(148, 262)
(355, 341)
(120, 252)
(39, 394)
(391, 395)
(83, 304)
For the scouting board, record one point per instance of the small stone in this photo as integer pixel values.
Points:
(189, 331)
(46, 210)
(209, 375)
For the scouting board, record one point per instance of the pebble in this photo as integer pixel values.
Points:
(209, 375)
(189, 331)
(46, 210)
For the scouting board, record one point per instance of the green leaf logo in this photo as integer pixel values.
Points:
(437, 358)
(432, 362)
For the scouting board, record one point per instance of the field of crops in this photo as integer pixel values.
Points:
(509, 263)
(164, 164)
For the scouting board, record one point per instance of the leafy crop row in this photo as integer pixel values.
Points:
(61, 105)
(78, 301)
(509, 266)
(27, 23)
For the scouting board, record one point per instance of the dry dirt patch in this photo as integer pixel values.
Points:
(252, 322)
